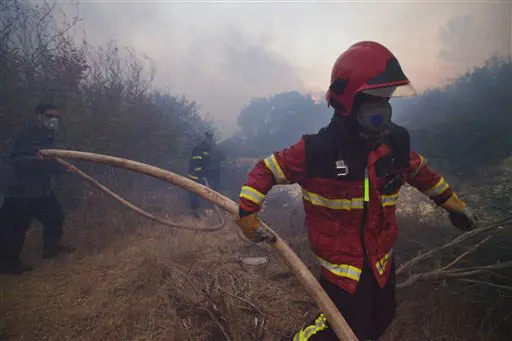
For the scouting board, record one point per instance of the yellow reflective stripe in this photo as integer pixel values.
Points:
(206, 153)
(197, 157)
(381, 264)
(273, 165)
(389, 199)
(341, 270)
(252, 195)
(197, 169)
(414, 173)
(438, 188)
(333, 204)
(192, 176)
(366, 186)
(307, 332)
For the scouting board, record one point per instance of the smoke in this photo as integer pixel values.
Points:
(224, 70)
(222, 55)
(219, 64)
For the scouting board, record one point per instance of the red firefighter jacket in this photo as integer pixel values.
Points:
(350, 212)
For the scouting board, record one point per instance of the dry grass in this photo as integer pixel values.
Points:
(133, 280)
(155, 285)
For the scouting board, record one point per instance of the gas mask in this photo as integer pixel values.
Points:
(51, 124)
(374, 119)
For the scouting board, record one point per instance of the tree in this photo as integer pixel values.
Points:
(105, 93)
(466, 125)
(276, 122)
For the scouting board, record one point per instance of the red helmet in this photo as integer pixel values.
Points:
(366, 67)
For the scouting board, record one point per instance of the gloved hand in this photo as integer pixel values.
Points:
(461, 216)
(253, 228)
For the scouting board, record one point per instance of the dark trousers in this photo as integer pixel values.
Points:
(196, 201)
(16, 215)
(368, 312)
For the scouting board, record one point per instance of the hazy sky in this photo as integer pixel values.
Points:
(223, 54)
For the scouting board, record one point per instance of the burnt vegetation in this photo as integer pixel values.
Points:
(134, 280)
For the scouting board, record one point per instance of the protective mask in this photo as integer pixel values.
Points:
(374, 118)
(51, 123)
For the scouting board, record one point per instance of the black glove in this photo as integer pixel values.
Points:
(464, 220)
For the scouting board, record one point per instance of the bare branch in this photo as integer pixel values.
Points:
(467, 280)
(216, 320)
(467, 253)
(457, 273)
(244, 300)
(458, 240)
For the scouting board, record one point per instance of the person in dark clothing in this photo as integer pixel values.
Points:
(214, 169)
(29, 194)
(199, 164)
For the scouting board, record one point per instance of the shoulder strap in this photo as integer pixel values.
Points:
(401, 145)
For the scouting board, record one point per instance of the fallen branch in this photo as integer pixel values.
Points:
(444, 272)
(456, 273)
(456, 260)
(218, 323)
(308, 281)
(136, 209)
(187, 329)
(498, 286)
(495, 226)
(243, 300)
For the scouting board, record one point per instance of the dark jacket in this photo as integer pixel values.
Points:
(199, 161)
(31, 177)
(213, 171)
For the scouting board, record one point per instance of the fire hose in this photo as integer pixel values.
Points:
(308, 281)
(136, 209)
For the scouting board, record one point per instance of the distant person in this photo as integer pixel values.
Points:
(197, 169)
(351, 173)
(214, 169)
(29, 194)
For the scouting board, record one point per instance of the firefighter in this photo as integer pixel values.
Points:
(198, 166)
(29, 194)
(351, 172)
(214, 170)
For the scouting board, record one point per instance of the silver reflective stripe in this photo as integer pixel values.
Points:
(341, 270)
(252, 195)
(273, 165)
(192, 176)
(389, 200)
(334, 204)
(381, 264)
(438, 189)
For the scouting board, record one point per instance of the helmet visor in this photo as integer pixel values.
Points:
(406, 90)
